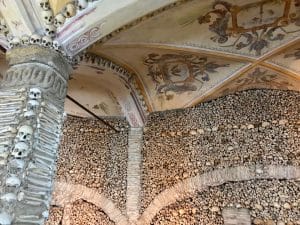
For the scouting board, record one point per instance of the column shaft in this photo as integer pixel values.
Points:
(32, 98)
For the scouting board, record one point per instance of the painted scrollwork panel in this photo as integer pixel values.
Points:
(253, 26)
(261, 78)
(179, 73)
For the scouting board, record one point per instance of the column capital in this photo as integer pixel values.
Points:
(38, 54)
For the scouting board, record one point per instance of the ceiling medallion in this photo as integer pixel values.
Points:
(179, 73)
(252, 25)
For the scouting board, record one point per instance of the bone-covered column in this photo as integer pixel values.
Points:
(32, 96)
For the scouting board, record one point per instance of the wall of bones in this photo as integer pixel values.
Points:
(30, 128)
(233, 160)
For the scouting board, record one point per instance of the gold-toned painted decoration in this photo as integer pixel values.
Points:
(58, 5)
(253, 25)
(177, 73)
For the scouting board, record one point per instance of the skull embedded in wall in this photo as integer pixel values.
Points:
(20, 150)
(29, 115)
(13, 181)
(3, 29)
(25, 133)
(35, 39)
(5, 218)
(56, 45)
(25, 40)
(13, 42)
(82, 4)
(47, 16)
(3, 26)
(47, 41)
(59, 20)
(32, 104)
(45, 5)
(69, 10)
(50, 30)
(35, 93)
(16, 41)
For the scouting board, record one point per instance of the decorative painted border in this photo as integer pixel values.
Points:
(128, 77)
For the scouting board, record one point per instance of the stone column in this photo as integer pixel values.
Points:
(32, 96)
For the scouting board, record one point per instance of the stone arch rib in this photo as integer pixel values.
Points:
(137, 109)
(65, 194)
(215, 178)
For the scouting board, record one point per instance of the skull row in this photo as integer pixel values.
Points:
(3, 27)
(45, 41)
(49, 19)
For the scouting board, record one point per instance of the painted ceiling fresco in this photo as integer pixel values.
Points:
(186, 53)
(174, 78)
(200, 50)
(250, 28)
(258, 77)
(288, 59)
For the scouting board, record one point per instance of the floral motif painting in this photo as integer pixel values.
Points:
(261, 78)
(252, 25)
(179, 73)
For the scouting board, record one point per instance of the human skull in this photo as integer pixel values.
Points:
(13, 181)
(13, 42)
(8, 197)
(35, 93)
(25, 133)
(29, 115)
(50, 30)
(17, 163)
(47, 16)
(82, 4)
(25, 40)
(5, 218)
(3, 26)
(47, 41)
(59, 20)
(69, 10)
(33, 104)
(20, 150)
(45, 5)
(56, 45)
(35, 39)
(3, 29)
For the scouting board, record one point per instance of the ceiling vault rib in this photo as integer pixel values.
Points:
(200, 99)
(280, 69)
(135, 74)
(260, 61)
(206, 52)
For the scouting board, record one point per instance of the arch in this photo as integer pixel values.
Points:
(215, 178)
(65, 194)
(118, 81)
(105, 17)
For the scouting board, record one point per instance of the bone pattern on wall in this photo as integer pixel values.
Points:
(31, 111)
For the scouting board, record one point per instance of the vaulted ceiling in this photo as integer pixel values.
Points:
(187, 52)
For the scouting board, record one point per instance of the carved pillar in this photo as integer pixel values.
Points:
(32, 96)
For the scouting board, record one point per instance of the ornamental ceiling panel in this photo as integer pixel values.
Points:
(172, 79)
(289, 59)
(58, 5)
(250, 28)
(259, 77)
